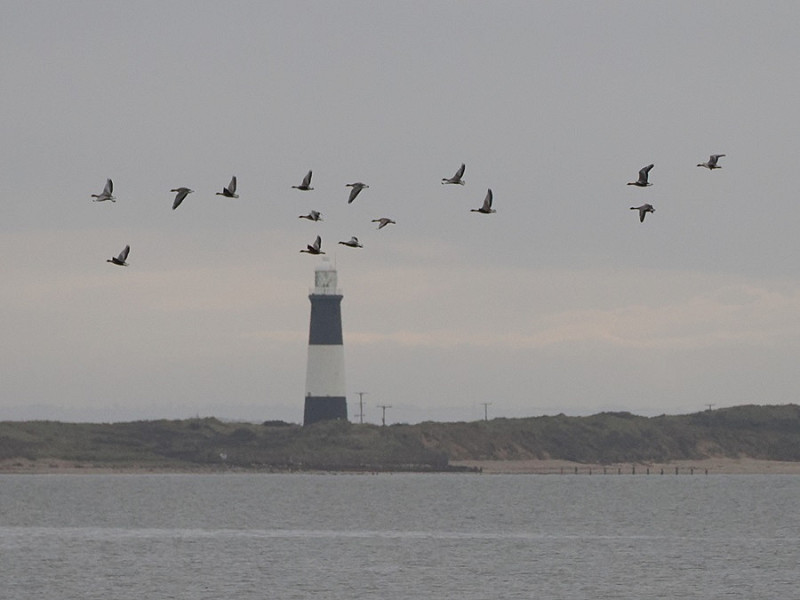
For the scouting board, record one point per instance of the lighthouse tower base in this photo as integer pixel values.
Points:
(324, 408)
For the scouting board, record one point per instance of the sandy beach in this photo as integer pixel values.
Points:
(726, 466)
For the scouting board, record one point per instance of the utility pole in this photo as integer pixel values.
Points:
(361, 407)
(710, 406)
(486, 410)
(383, 417)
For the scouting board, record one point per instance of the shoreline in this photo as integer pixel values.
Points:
(710, 466)
(717, 466)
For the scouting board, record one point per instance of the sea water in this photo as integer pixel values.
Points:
(392, 536)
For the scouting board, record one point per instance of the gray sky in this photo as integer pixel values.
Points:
(560, 302)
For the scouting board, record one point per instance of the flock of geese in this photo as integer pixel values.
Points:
(643, 181)
(316, 247)
(229, 191)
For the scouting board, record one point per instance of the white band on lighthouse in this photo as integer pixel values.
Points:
(325, 371)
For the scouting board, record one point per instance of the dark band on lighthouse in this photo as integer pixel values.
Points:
(326, 320)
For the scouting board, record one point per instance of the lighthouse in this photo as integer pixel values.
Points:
(325, 389)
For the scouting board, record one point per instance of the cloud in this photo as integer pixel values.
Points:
(721, 313)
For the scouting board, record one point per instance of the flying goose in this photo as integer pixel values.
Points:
(357, 187)
(182, 193)
(230, 191)
(306, 185)
(106, 193)
(487, 205)
(312, 216)
(457, 177)
(643, 210)
(315, 247)
(642, 181)
(712, 162)
(383, 222)
(120, 260)
(353, 243)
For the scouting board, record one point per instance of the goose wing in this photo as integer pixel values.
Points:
(307, 179)
(643, 173)
(487, 202)
(123, 256)
(181, 195)
(108, 190)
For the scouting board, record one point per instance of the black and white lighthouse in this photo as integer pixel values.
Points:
(325, 388)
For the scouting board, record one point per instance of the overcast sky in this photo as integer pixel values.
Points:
(562, 301)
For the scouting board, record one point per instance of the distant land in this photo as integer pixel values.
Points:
(765, 436)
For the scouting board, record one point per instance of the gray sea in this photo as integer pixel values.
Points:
(391, 536)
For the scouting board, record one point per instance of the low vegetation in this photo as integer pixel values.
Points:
(761, 432)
